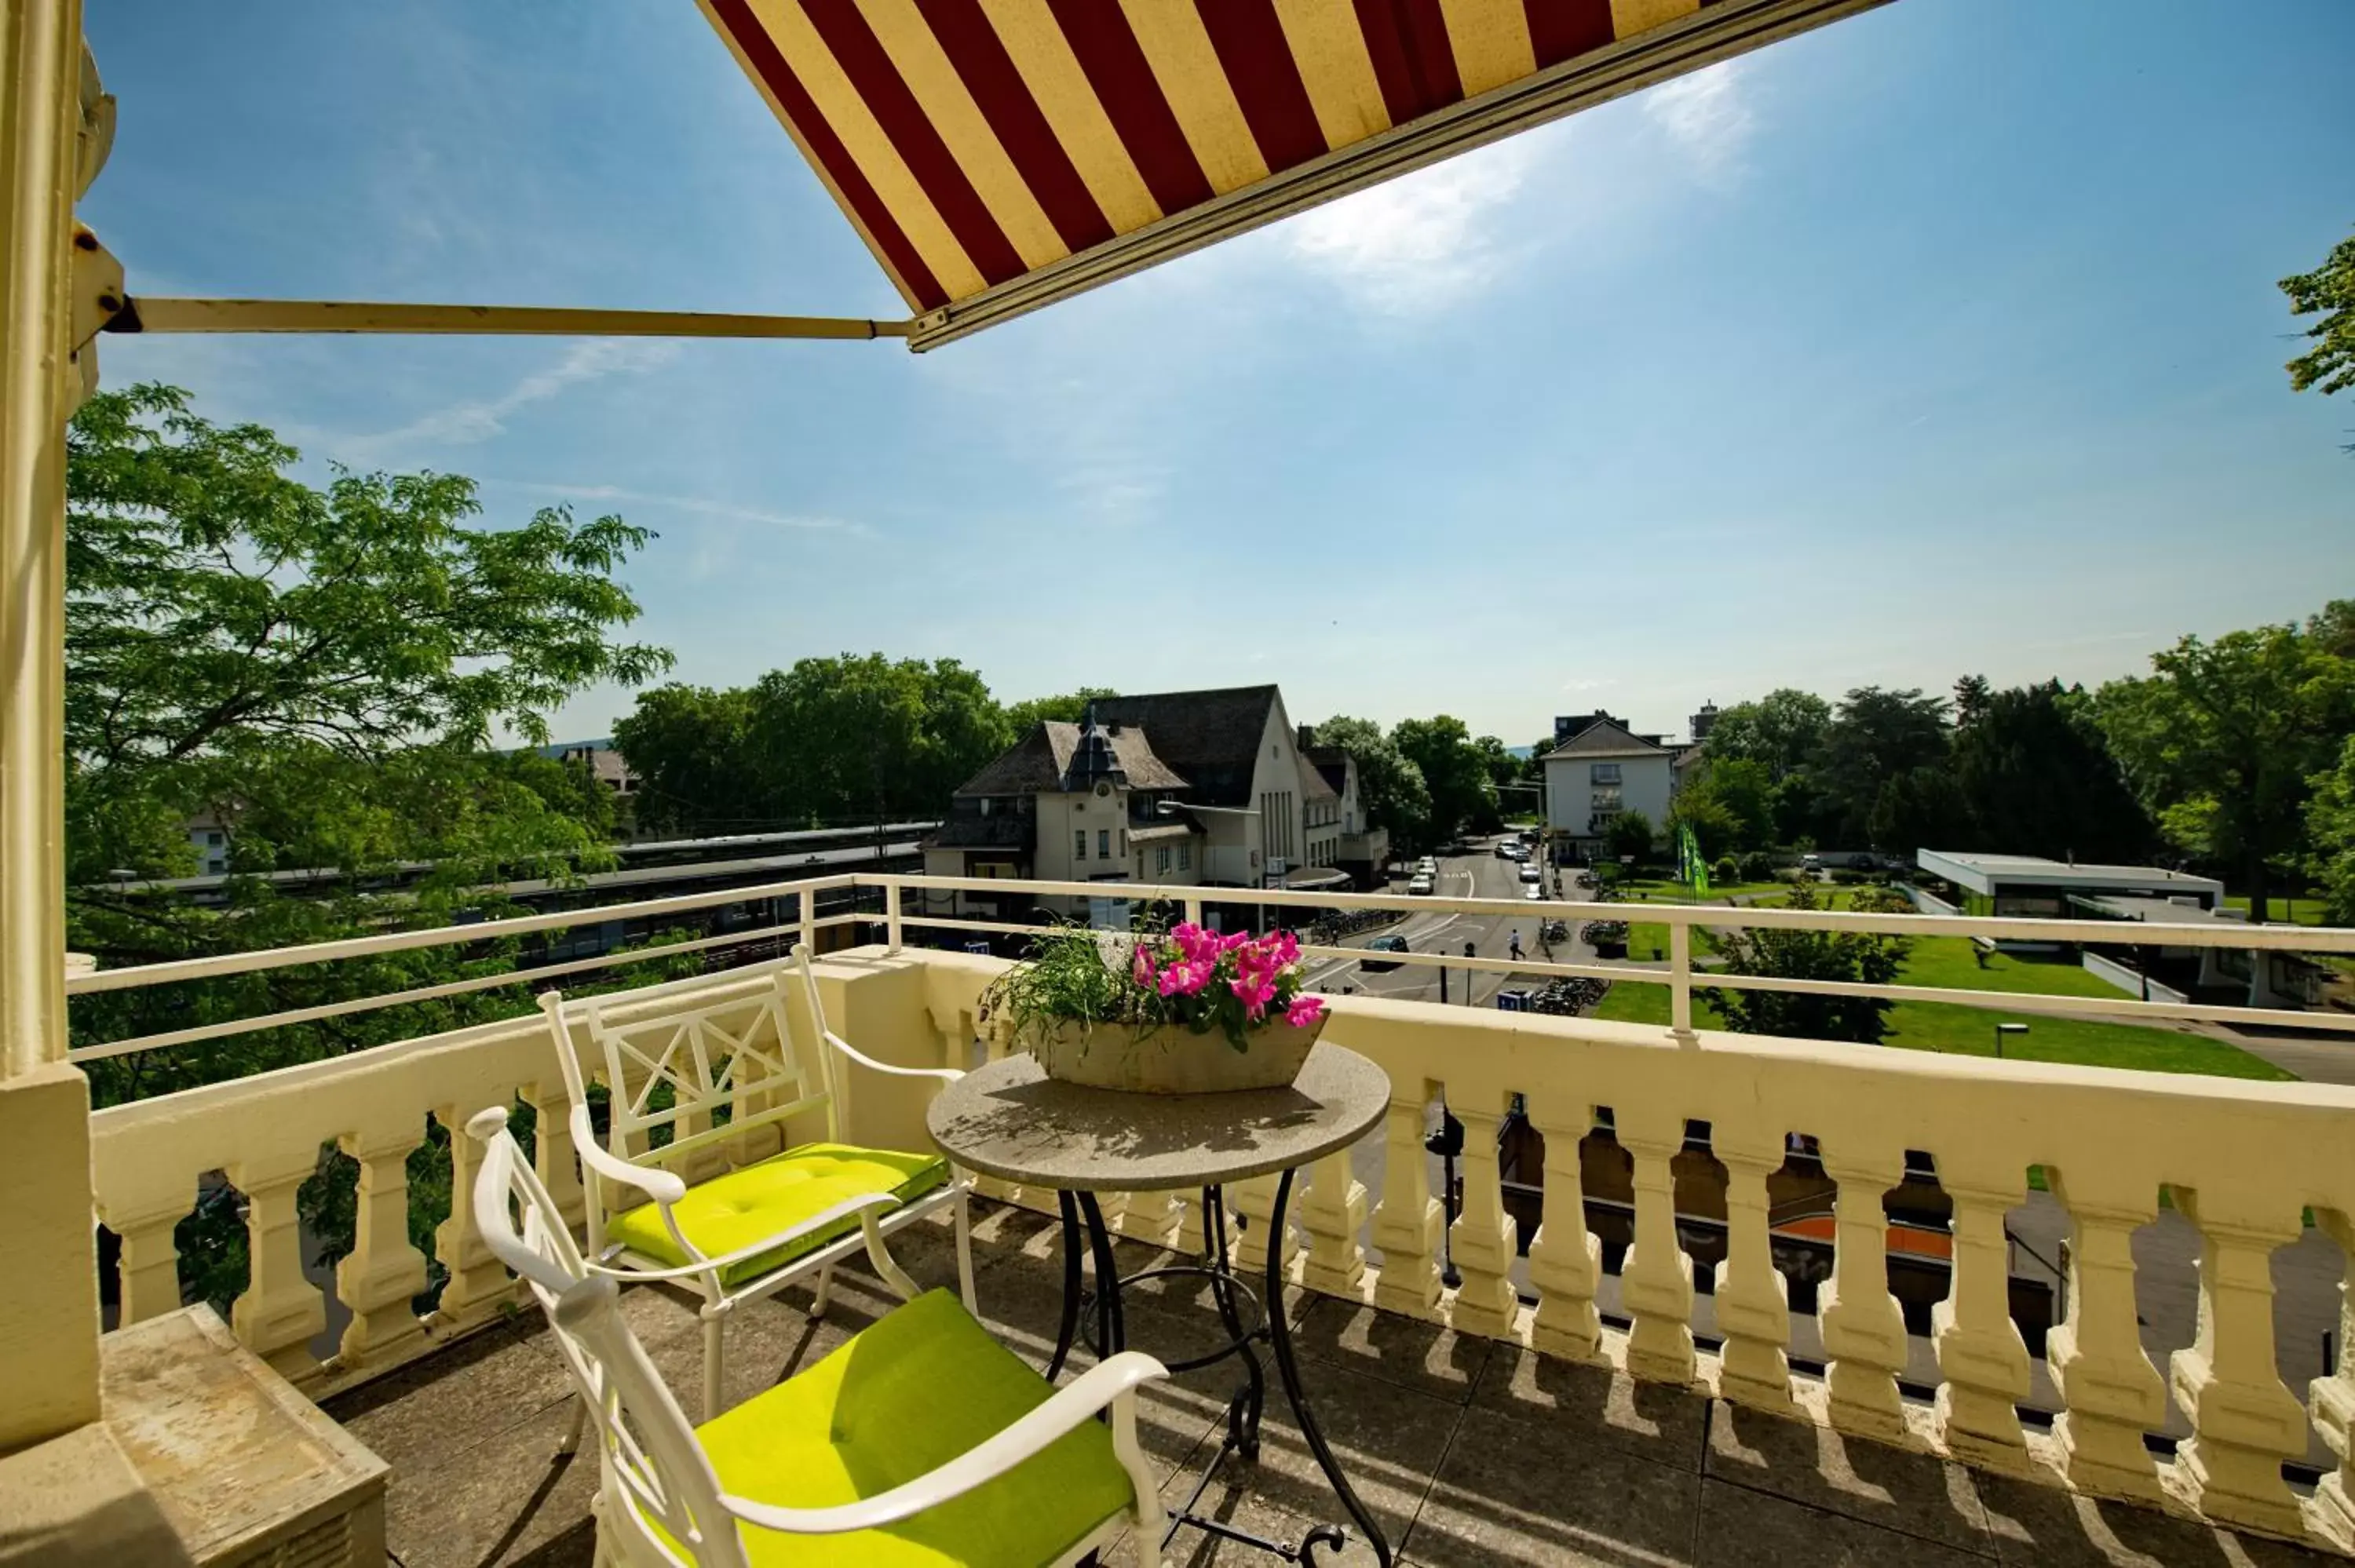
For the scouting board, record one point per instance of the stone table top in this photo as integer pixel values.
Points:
(1010, 1120)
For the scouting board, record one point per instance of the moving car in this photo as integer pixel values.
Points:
(1421, 884)
(1532, 890)
(1383, 945)
(1507, 850)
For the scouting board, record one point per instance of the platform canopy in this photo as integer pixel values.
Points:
(999, 155)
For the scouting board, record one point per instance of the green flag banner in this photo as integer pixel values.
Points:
(1689, 861)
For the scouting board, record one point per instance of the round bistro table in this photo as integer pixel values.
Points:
(1010, 1120)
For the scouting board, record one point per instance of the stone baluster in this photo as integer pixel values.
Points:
(1193, 1240)
(1255, 1200)
(148, 1273)
(996, 1039)
(2111, 1393)
(478, 1285)
(1565, 1257)
(1331, 1213)
(1408, 1219)
(1754, 1301)
(1483, 1240)
(552, 1157)
(1148, 1217)
(1655, 1278)
(2332, 1511)
(384, 1273)
(2244, 1422)
(280, 1311)
(1982, 1360)
(1863, 1331)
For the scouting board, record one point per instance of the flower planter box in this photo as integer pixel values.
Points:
(1169, 1059)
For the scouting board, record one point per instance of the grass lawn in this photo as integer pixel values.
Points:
(2298, 911)
(1970, 1032)
(1948, 961)
(1655, 890)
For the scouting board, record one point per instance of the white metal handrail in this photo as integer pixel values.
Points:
(1679, 974)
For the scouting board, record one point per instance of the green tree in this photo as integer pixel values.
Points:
(1064, 709)
(2328, 292)
(1462, 794)
(319, 669)
(1784, 729)
(865, 738)
(1874, 737)
(1921, 808)
(690, 748)
(1714, 826)
(1746, 790)
(2330, 821)
(2222, 741)
(1856, 957)
(1391, 787)
(2039, 779)
(1629, 835)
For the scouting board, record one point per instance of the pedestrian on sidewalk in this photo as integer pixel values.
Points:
(1514, 948)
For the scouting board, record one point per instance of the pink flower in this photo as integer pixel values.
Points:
(1282, 948)
(1193, 942)
(1256, 992)
(1141, 968)
(1184, 978)
(1304, 1011)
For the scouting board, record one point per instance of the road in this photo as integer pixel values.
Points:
(1478, 875)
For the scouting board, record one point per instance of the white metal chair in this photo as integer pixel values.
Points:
(733, 1069)
(920, 1442)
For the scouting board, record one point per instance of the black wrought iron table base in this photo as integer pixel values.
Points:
(1265, 1324)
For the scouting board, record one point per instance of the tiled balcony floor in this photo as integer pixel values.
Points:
(1469, 1453)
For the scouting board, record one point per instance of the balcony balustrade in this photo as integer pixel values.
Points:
(2252, 1165)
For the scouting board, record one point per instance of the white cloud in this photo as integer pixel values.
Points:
(694, 504)
(471, 422)
(1420, 241)
(1706, 118)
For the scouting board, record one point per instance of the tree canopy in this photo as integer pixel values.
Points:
(1390, 785)
(2328, 291)
(317, 669)
(2222, 740)
(858, 737)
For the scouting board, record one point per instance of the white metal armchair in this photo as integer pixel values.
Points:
(715, 1073)
(923, 1442)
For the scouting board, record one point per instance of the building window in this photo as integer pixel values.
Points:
(1605, 800)
(1161, 861)
(1186, 855)
(1079, 844)
(1603, 773)
(1103, 843)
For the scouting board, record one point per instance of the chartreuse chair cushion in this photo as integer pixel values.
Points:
(905, 1396)
(759, 1200)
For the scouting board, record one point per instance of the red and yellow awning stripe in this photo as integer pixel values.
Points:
(999, 152)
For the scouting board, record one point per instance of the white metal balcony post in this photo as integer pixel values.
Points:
(48, 1316)
(890, 914)
(1680, 981)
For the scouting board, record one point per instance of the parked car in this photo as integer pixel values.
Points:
(1507, 850)
(1531, 876)
(1383, 945)
(1532, 889)
(1421, 885)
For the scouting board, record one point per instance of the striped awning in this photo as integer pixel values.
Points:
(997, 154)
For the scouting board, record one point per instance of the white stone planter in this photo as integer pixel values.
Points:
(1170, 1059)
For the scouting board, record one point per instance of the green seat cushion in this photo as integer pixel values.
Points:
(905, 1396)
(756, 1201)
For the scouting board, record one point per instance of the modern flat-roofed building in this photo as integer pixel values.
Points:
(2032, 885)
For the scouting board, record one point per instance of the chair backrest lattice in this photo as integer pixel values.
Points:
(656, 1483)
(728, 1058)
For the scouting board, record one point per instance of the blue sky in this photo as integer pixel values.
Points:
(1943, 339)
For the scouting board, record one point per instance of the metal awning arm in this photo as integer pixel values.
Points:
(150, 314)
